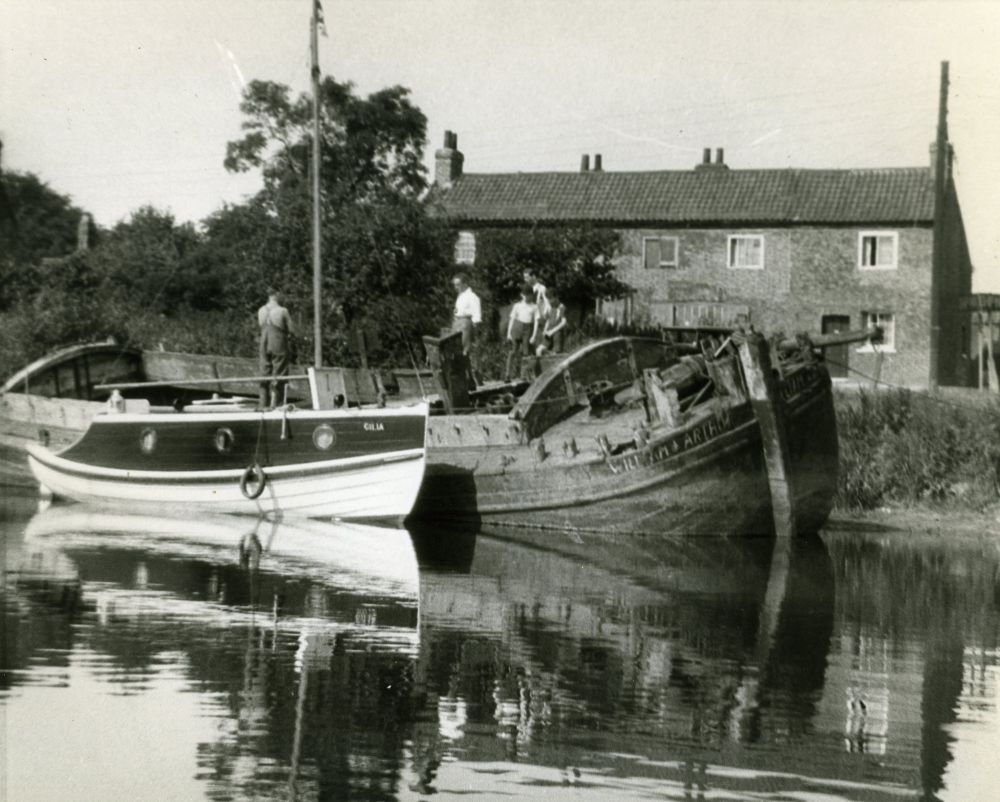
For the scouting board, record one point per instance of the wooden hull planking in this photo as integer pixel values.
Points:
(708, 478)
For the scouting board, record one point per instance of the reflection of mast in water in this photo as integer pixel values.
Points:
(288, 600)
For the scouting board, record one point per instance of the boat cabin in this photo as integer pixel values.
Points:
(75, 372)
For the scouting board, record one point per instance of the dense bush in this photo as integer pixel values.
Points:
(58, 320)
(903, 447)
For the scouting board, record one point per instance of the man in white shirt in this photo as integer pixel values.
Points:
(468, 310)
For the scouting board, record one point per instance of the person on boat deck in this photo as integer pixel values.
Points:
(468, 310)
(522, 329)
(554, 327)
(538, 289)
(275, 344)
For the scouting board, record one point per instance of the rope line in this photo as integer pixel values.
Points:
(891, 385)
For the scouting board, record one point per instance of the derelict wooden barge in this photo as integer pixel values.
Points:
(641, 435)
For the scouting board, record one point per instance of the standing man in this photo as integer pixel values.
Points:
(275, 335)
(541, 298)
(468, 310)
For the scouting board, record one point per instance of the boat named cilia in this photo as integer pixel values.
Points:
(328, 461)
(226, 456)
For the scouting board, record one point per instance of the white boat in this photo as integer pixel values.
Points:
(224, 456)
(352, 464)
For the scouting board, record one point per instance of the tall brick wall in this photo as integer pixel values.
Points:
(808, 272)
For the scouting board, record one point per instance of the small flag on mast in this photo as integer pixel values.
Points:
(318, 17)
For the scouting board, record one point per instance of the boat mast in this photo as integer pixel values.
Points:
(317, 304)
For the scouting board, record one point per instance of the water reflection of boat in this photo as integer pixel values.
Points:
(271, 618)
(527, 665)
(696, 657)
(358, 556)
(225, 567)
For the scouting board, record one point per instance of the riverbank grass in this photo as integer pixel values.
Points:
(902, 447)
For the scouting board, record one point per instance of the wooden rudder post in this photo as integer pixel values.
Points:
(762, 387)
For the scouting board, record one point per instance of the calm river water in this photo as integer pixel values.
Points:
(222, 658)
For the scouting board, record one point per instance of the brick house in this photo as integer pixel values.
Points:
(790, 250)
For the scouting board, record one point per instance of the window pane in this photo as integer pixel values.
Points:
(44, 384)
(465, 248)
(871, 251)
(885, 250)
(886, 321)
(668, 250)
(652, 249)
(745, 251)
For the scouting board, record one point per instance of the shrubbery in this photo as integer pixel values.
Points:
(903, 447)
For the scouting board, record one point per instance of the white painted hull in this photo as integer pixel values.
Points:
(352, 489)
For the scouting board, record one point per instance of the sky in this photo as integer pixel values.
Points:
(121, 103)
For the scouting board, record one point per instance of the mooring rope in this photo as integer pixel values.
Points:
(927, 394)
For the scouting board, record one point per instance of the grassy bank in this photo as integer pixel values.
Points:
(907, 448)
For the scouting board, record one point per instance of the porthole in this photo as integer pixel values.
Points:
(224, 439)
(147, 441)
(324, 437)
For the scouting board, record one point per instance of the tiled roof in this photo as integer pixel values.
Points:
(692, 196)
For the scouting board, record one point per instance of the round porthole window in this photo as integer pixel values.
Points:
(224, 440)
(324, 437)
(147, 441)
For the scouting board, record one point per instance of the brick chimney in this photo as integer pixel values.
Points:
(448, 161)
(708, 164)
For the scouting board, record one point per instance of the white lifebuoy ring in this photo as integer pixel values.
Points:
(255, 474)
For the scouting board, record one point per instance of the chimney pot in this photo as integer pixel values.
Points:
(706, 156)
(597, 163)
(448, 161)
(718, 156)
(585, 163)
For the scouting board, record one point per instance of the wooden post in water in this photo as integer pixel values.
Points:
(762, 387)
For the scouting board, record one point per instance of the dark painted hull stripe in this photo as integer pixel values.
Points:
(63, 466)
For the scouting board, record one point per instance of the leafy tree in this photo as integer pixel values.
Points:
(384, 261)
(39, 223)
(156, 264)
(240, 242)
(575, 261)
